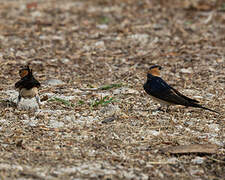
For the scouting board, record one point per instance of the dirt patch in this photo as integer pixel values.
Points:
(96, 122)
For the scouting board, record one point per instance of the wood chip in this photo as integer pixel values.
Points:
(192, 148)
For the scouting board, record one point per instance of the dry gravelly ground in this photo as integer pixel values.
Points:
(88, 44)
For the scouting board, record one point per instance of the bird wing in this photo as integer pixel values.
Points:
(28, 83)
(185, 97)
(161, 90)
(19, 83)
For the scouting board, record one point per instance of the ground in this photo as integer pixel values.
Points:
(96, 121)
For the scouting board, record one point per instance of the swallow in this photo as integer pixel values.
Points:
(27, 85)
(160, 91)
(24, 71)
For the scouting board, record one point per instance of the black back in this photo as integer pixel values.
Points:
(28, 82)
(157, 87)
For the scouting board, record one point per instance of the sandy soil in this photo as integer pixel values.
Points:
(96, 121)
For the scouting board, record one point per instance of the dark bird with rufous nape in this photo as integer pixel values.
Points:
(165, 94)
(24, 71)
(27, 86)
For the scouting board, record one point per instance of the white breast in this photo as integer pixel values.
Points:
(29, 93)
(162, 102)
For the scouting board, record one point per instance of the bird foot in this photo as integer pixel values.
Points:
(167, 110)
(162, 110)
(158, 109)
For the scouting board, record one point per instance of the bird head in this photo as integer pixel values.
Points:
(25, 71)
(155, 70)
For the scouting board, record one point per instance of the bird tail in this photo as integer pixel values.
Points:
(199, 106)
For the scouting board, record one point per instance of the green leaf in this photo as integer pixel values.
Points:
(103, 20)
(106, 87)
(103, 101)
(63, 101)
(80, 102)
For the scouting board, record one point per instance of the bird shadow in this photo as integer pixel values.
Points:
(5, 103)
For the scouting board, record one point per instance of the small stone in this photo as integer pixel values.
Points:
(77, 115)
(54, 82)
(43, 37)
(188, 70)
(143, 38)
(108, 120)
(110, 109)
(86, 48)
(198, 160)
(53, 60)
(154, 133)
(214, 140)
(65, 60)
(20, 54)
(77, 91)
(36, 14)
(197, 172)
(57, 38)
(1, 55)
(157, 27)
(125, 90)
(197, 97)
(102, 26)
(214, 127)
(55, 124)
(25, 116)
(172, 160)
(70, 118)
(32, 123)
(100, 44)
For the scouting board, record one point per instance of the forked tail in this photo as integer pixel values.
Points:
(199, 106)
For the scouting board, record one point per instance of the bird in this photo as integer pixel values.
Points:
(165, 94)
(27, 85)
(24, 71)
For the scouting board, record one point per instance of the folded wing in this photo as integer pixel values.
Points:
(28, 83)
(160, 89)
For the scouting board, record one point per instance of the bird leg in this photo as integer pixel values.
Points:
(160, 108)
(18, 100)
(167, 108)
(38, 100)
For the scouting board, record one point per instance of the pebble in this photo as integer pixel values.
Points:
(102, 26)
(214, 127)
(154, 133)
(100, 44)
(108, 120)
(172, 160)
(198, 160)
(55, 124)
(125, 90)
(188, 70)
(65, 60)
(110, 109)
(143, 38)
(54, 82)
